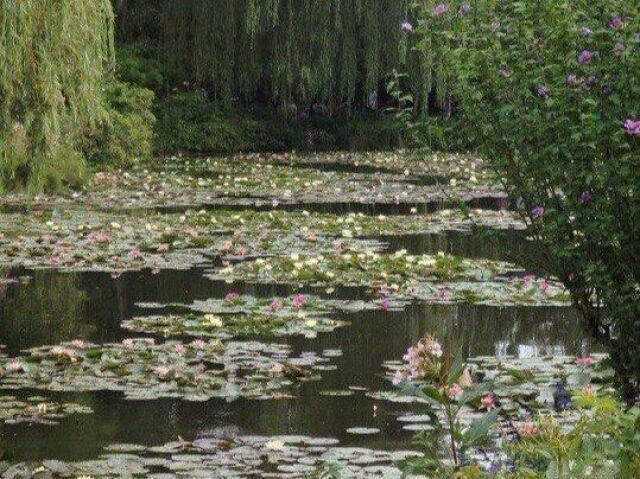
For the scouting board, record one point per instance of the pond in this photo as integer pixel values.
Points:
(66, 291)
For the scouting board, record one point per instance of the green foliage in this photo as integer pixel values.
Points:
(552, 91)
(138, 67)
(126, 133)
(442, 381)
(52, 58)
(286, 52)
(190, 122)
(604, 443)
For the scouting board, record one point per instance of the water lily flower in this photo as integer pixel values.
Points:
(276, 304)
(199, 344)
(406, 27)
(632, 127)
(528, 429)
(488, 402)
(180, 349)
(299, 300)
(77, 343)
(439, 9)
(128, 343)
(213, 320)
(231, 296)
(162, 371)
(149, 341)
(14, 366)
(585, 57)
(277, 368)
(584, 361)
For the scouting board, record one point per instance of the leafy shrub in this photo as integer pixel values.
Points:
(140, 68)
(552, 89)
(126, 134)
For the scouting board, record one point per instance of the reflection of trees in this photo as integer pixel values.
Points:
(48, 309)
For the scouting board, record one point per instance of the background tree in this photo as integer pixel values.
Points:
(53, 55)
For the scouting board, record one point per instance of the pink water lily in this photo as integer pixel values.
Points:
(632, 127)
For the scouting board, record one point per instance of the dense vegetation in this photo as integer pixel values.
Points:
(552, 92)
(52, 60)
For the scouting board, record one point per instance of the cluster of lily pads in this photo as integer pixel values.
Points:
(37, 410)
(239, 457)
(393, 271)
(521, 387)
(227, 181)
(141, 369)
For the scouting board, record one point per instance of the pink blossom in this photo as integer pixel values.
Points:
(232, 296)
(585, 57)
(439, 10)
(161, 371)
(528, 429)
(180, 349)
(276, 304)
(399, 377)
(494, 26)
(77, 343)
(199, 344)
(616, 22)
(299, 300)
(406, 27)
(14, 366)
(584, 361)
(488, 402)
(135, 254)
(163, 248)
(128, 343)
(149, 341)
(455, 391)
(632, 127)
(385, 304)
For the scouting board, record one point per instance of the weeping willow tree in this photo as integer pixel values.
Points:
(53, 54)
(292, 52)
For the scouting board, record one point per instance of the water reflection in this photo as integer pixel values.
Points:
(55, 307)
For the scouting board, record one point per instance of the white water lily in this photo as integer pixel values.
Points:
(275, 445)
(214, 320)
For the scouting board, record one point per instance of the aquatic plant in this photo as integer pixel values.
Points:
(444, 384)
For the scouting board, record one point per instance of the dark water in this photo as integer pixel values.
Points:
(54, 307)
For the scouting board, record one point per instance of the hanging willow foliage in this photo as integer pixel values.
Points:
(53, 55)
(335, 52)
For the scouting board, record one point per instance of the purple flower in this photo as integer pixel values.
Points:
(616, 22)
(585, 197)
(586, 32)
(504, 73)
(494, 26)
(543, 92)
(591, 80)
(607, 90)
(537, 212)
(439, 9)
(464, 9)
(632, 127)
(502, 203)
(618, 48)
(585, 57)
(572, 79)
(406, 27)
